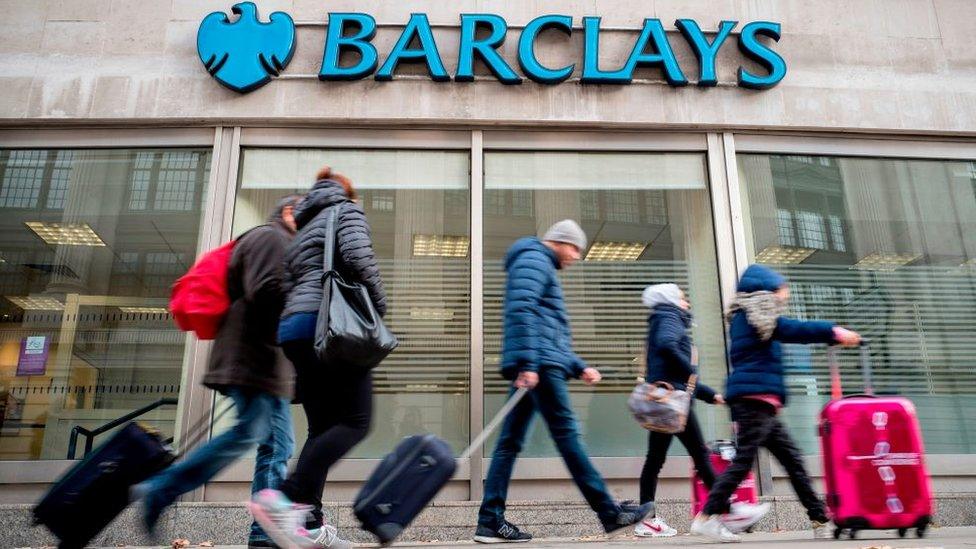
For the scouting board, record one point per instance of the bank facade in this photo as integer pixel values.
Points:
(853, 172)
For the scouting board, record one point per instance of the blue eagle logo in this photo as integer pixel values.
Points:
(245, 54)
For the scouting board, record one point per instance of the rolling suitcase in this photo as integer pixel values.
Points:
(407, 480)
(96, 489)
(874, 459)
(722, 454)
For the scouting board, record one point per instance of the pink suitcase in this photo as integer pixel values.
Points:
(874, 460)
(723, 451)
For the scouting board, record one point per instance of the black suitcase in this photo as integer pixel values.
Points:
(93, 492)
(96, 489)
(408, 479)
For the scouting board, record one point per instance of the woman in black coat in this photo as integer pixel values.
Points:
(338, 400)
(669, 358)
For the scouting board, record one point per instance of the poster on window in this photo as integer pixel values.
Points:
(33, 356)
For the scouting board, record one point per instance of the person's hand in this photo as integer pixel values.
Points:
(527, 380)
(719, 399)
(847, 338)
(591, 376)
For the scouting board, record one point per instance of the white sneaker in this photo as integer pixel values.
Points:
(711, 527)
(326, 537)
(654, 528)
(744, 515)
(282, 520)
(822, 530)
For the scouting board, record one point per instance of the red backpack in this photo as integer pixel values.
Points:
(200, 300)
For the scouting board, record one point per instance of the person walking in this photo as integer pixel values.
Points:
(246, 366)
(337, 398)
(537, 354)
(756, 391)
(670, 358)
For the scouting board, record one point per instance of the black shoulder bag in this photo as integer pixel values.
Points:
(348, 332)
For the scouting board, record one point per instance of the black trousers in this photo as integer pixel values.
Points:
(657, 452)
(759, 426)
(339, 408)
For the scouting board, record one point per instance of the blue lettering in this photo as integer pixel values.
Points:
(752, 48)
(337, 42)
(486, 49)
(417, 27)
(526, 49)
(653, 33)
(704, 51)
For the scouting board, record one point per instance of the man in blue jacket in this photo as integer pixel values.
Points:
(755, 392)
(537, 353)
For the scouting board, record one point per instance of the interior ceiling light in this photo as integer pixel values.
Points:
(784, 255)
(884, 261)
(615, 251)
(439, 245)
(36, 303)
(431, 313)
(69, 234)
(145, 310)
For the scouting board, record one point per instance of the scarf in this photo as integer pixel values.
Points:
(762, 309)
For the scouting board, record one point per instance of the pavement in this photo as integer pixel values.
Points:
(941, 538)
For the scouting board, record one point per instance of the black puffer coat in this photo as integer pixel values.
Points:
(355, 259)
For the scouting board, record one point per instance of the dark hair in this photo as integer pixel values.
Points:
(285, 201)
(327, 173)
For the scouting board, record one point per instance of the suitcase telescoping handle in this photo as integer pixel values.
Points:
(495, 422)
(865, 359)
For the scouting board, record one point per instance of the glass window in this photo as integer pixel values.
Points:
(85, 337)
(417, 203)
(625, 203)
(886, 247)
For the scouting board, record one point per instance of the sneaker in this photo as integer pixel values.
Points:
(822, 530)
(325, 537)
(654, 528)
(628, 514)
(711, 527)
(742, 516)
(282, 520)
(506, 533)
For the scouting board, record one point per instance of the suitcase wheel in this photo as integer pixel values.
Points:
(920, 531)
(837, 532)
(902, 532)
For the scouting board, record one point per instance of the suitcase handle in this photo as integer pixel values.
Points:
(865, 359)
(494, 423)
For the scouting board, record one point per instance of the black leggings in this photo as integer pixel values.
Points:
(339, 407)
(657, 452)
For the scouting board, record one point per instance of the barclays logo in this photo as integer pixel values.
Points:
(245, 54)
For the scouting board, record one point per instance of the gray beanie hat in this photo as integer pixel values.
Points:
(567, 231)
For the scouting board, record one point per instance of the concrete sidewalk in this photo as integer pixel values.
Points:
(942, 538)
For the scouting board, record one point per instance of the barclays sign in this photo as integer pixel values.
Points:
(246, 54)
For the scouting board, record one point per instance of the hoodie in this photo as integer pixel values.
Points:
(757, 358)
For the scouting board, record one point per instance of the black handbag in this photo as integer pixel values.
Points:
(348, 331)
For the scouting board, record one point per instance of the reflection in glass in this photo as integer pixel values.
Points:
(886, 247)
(90, 243)
(648, 219)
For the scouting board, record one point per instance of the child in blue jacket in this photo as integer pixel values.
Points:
(755, 392)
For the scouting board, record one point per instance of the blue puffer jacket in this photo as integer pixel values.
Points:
(669, 350)
(537, 333)
(757, 365)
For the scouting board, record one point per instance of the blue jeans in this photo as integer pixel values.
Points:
(253, 426)
(551, 398)
(271, 466)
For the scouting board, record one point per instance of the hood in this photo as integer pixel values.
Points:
(661, 294)
(759, 278)
(525, 244)
(325, 193)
